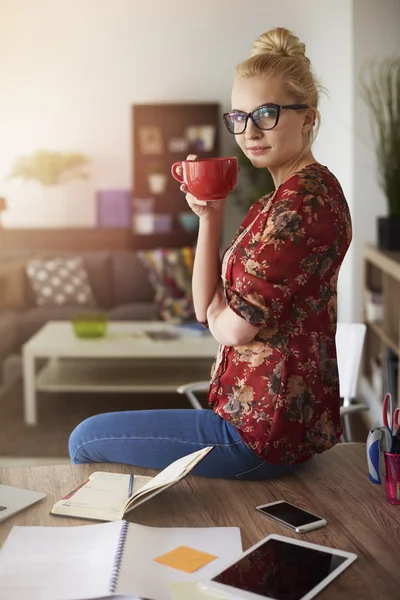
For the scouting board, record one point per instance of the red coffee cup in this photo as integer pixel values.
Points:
(208, 178)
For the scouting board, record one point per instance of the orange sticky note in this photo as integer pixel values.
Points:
(185, 559)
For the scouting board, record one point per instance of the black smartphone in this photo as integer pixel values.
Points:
(291, 516)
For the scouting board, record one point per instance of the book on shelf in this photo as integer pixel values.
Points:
(110, 496)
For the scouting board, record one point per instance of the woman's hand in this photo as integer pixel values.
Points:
(200, 207)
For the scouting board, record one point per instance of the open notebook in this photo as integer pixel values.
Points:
(106, 559)
(109, 496)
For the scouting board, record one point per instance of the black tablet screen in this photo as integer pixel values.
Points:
(280, 570)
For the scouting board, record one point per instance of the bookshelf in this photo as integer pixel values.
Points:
(381, 281)
(164, 134)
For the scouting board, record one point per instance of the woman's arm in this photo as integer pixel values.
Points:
(227, 327)
(207, 265)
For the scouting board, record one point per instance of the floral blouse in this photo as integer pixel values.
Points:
(281, 390)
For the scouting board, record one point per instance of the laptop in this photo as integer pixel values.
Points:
(13, 500)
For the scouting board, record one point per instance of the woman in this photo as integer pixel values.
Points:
(271, 304)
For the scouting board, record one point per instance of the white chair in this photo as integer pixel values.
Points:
(349, 347)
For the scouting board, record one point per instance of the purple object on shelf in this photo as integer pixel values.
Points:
(162, 223)
(114, 208)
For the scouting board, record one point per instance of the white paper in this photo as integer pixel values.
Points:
(176, 469)
(194, 591)
(170, 475)
(63, 563)
(141, 575)
(75, 563)
(102, 497)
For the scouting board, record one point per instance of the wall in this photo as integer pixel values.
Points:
(71, 70)
(376, 36)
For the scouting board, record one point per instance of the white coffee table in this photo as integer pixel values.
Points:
(125, 360)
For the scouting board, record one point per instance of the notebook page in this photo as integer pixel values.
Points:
(140, 574)
(104, 494)
(58, 563)
(172, 473)
(101, 491)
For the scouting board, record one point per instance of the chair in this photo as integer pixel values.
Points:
(349, 347)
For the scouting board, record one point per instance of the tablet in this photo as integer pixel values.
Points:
(281, 568)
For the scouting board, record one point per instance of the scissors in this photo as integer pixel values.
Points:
(396, 422)
(388, 413)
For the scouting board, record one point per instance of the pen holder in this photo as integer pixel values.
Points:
(392, 478)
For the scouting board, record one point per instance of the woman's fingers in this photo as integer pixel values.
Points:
(191, 157)
(190, 198)
(192, 201)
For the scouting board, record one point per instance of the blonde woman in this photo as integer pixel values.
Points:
(270, 302)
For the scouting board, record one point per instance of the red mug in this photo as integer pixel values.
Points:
(208, 178)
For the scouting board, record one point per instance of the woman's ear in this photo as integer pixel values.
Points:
(309, 120)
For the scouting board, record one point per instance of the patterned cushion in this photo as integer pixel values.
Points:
(60, 281)
(170, 273)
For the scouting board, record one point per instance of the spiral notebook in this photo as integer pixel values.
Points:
(97, 561)
(109, 496)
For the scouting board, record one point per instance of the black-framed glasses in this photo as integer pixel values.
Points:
(264, 117)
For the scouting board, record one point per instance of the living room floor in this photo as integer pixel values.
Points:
(58, 414)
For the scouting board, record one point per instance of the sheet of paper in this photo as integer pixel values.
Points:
(63, 563)
(185, 559)
(140, 574)
(194, 591)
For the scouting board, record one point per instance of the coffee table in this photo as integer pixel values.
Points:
(334, 485)
(127, 359)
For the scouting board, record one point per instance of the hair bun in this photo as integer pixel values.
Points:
(280, 41)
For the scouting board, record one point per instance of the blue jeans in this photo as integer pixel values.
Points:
(155, 438)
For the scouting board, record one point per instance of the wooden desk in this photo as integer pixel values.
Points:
(334, 485)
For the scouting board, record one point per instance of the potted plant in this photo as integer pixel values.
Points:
(56, 173)
(253, 183)
(380, 87)
(50, 168)
(157, 179)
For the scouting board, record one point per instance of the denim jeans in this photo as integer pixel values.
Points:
(155, 438)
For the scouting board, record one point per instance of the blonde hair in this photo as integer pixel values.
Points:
(279, 54)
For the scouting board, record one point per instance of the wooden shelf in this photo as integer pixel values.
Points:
(89, 239)
(383, 336)
(382, 342)
(169, 121)
(387, 262)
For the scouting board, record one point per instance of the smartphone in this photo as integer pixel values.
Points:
(291, 516)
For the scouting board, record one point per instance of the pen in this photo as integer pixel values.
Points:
(130, 485)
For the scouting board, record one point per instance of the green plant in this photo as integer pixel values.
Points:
(380, 89)
(253, 183)
(50, 168)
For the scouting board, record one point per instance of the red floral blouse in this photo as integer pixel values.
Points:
(281, 390)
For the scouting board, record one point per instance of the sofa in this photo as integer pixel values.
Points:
(119, 282)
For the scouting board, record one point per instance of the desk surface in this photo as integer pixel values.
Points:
(334, 485)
